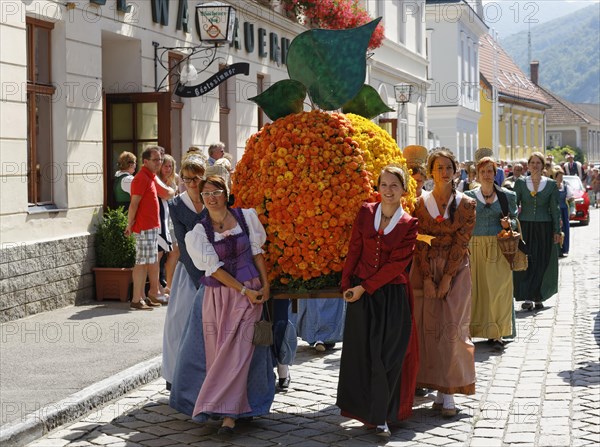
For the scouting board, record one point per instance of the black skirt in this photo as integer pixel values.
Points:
(540, 281)
(376, 336)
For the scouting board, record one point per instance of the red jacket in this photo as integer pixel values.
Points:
(375, 258)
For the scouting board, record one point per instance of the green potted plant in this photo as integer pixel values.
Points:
(115, 256)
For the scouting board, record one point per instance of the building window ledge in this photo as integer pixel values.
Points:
(39, 209)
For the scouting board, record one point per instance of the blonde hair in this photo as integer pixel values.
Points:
(126, 159)
(170, 180)
(193, 163)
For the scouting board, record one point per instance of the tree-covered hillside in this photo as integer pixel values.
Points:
(568, 49)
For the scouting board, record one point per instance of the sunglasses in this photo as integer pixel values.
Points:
(191, 179)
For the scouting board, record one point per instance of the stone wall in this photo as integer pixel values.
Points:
(45, 276)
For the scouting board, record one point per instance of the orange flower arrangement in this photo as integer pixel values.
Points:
(305, 176)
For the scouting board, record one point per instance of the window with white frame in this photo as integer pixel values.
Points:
(524, 124)
(40, 169)
(515, 137)
(555, 139)
(532, 134)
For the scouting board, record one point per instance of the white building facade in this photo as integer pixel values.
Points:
(79, 86)
(454, 28)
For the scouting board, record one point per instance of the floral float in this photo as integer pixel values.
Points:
(308, 172)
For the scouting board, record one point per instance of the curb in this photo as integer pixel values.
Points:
(46, 419)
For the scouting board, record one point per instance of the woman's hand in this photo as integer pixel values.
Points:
(254, 296)
(353, 294)
(444, 286)
(266, 293)
(557, 238)
(429, 290)
(505, 222)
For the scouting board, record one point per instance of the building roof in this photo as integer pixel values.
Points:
(590, 109)
(511, 82)
(564, 112)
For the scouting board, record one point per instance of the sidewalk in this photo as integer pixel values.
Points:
(544, 390)
(58, 365)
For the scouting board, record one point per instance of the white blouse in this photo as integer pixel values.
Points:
(203, 253)
(394, 220)
(529, 183)
(432, 207)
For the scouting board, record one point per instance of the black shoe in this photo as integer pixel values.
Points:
(284, 383)
(498, 346)
(245, 420)
(421, 392)
(226, 431)
(168, 386)
(527, 305)
(539, 305)
(329, 346)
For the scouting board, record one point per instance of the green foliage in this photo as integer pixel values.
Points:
(560, 153)
(281, 99)
(113, 248)
(331, 66)
(367, 103)
(568, 49)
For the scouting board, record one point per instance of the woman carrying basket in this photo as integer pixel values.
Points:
(491, 275)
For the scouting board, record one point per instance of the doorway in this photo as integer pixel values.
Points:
(132, 122)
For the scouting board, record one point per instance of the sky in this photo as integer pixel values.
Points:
(507, 17)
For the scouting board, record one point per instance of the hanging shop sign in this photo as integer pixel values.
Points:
(193, 91)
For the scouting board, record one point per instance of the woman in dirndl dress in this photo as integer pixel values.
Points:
(377, 383)
(234, 379)
(538, 198)
(441, 281)
(491, 275)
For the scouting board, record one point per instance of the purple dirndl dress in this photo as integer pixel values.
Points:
(238, 379)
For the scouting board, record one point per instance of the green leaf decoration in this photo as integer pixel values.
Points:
(367, 103)
(331, 63)
(282, 98)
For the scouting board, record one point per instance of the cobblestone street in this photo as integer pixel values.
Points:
(544, 390)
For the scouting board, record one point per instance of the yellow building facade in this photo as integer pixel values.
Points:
(513, 125)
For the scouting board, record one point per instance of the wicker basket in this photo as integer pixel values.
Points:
(509, 245)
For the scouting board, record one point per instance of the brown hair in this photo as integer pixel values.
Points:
(394, 170)
(441, 152)
(484, 161)
(445, 153)
(147, 153)
(217, 182)
(538, 155)
(418, 169)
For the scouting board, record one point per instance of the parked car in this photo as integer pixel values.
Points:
(582, 200)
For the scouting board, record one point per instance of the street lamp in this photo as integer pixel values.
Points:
(402, 93)
(215, 22)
